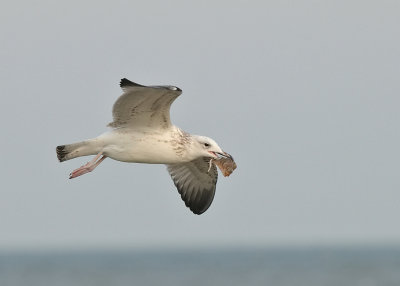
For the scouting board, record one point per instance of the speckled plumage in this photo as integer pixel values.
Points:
(142, 132)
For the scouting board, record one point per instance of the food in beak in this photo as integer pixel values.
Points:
(223, 155)
(226, 164)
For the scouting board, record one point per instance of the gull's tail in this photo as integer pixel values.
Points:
(74, 150)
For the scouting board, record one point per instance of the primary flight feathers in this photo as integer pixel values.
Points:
(142, 132)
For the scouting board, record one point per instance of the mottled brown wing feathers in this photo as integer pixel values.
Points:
(143, 106)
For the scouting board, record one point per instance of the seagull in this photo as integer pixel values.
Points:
(142, 132)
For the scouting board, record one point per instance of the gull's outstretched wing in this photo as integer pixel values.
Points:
(195, 183)
(143, 106)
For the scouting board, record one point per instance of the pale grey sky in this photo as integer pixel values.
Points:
(304, 94)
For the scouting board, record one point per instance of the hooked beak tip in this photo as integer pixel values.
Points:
(224, 155)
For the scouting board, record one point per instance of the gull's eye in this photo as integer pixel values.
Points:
(206, 145)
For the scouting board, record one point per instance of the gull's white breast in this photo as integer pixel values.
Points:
(151, 147)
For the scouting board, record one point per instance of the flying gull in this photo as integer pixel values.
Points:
(143, 133)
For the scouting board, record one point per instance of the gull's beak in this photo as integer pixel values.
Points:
(220, 155)
(223, 155)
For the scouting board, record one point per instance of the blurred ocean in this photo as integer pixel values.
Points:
(275, 267)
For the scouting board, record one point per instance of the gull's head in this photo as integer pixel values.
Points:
(207, 147)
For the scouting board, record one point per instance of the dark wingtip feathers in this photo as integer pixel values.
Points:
(126, 82)
(197, 212)
(61, 153)
(197, 207)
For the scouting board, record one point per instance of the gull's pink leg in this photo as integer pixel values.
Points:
(88, 167)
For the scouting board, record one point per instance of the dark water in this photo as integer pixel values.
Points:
(294, 267)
